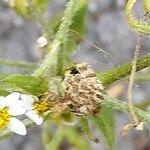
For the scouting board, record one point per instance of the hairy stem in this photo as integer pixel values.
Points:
(122, 71)
(17, 64)
(49, 64)
(142, 78)
(123, 107)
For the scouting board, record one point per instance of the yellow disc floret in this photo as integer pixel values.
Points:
(41, 107)
(4, 117)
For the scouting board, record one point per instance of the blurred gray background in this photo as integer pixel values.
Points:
(107, 28)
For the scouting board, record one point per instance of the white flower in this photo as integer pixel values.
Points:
(31, 111)
(10, 106)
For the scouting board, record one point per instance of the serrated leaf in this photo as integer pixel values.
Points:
(105, 122)
(24, 83)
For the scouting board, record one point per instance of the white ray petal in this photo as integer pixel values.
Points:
(16, 111)
(27, 98)
(3, 103)
(2, 98)
(28, 101)
(17, 126)
(12, 98)
(17, 103)
(33, 115)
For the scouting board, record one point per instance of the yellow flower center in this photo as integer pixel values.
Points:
(41, 107)
(4, 117)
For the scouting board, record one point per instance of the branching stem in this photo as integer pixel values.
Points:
(122, 71)
(48, 66)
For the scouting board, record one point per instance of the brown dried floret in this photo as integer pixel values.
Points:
(57, 104)
(83, 90)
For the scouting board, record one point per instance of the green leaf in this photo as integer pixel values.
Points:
(105, 121)
(72, 135)
(20, 7)
(78, 24)
(86, 129)
(30, 8)
(67, 116)
(3, 75)
(54, 144)
(24, 83)
(76, 139)
(146, 4)
(70, 42)
(3, 92)
(46, 132)
(37, 7)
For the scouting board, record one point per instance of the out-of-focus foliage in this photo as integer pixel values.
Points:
(28, 8)
(105, 121)
(146, 4)
(71, 135)
(86, 129)
(139, 26)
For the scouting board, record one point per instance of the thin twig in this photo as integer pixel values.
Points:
(95, 46)
(131, 80)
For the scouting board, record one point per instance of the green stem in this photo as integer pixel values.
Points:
(141, 78)
(143, 105)
(48, 66)
(17, 64)
(3, 75)
(123, 107)
(122, 71)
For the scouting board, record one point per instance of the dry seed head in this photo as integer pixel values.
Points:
(83, 90)
(57, 104)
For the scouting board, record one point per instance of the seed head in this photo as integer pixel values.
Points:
(83, 90)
